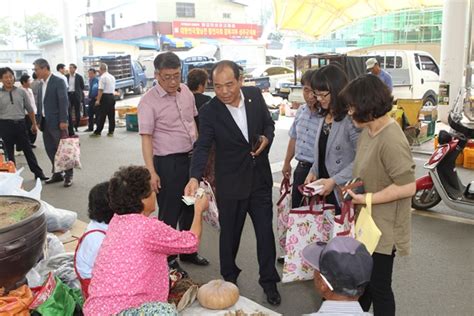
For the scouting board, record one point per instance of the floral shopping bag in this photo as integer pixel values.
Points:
(211, 216)
(283, 211)
(306, 225)
(344, 223)
(68, 155)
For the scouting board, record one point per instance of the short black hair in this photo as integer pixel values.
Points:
(92, 69)
(4, 70)
(236, 69)
(168, 60)
(24, 78)
(306, 78)
(73, 65)
(196, 77)
(127, 188)
(99, 208)
(368, 97)
(42, 63)
(333, 79)
(34, 76)
(60, 66)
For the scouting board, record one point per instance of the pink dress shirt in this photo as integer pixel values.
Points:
(169, 119)
(132, 268)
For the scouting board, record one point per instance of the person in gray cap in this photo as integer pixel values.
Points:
(373, 67)
(342, 270)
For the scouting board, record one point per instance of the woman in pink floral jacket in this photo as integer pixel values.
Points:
(131, 268)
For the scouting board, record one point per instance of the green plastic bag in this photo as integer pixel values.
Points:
(55, 298)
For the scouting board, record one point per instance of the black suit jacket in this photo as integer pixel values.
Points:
(78, 85)
(235, 168)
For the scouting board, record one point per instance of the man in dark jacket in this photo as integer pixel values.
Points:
(75, 95)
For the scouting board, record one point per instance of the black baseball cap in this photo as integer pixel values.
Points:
(344, 262)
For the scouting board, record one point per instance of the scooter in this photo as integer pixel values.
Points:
(442, 181)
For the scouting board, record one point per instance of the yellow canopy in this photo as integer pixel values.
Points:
(320, 17)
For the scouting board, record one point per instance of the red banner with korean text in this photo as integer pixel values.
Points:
(216, 30)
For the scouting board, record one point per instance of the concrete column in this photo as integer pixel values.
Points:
(453, 50)
(69, 38)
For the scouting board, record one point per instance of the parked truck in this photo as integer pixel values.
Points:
(129, 74)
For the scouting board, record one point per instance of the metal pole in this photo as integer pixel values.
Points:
(89, 23)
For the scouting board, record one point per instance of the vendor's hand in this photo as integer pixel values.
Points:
(311, 177)
(357, 198)
(201, 204)
(328, 186)
(34, 129)
(263, 144)
(63, 126)
(155, 182)
(191, 187)
(286, 171)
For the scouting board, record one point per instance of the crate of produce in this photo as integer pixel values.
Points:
(131, 119)
(468, 158)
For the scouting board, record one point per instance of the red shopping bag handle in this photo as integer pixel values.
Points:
(345, 212)
(284, 190)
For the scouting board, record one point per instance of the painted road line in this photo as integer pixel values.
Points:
(444, 217)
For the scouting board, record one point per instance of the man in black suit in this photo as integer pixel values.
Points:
(238, 122)
(52, 115)
(75, 95)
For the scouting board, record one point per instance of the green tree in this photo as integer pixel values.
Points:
(5, 31)
(38, 28)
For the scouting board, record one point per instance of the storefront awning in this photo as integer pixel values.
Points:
(180, 42)
(320, 17)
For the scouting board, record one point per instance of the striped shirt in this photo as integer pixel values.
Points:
(340, 308)
(304, 131)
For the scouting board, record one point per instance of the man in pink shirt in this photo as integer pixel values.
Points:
(167, 127)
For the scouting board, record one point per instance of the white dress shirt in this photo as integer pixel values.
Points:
(60, 75)
(239, 114)
(72, 82)
(45, 85)
(29, 92)
(107, 83)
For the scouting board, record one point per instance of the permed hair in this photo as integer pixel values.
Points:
(127, 188)
(368, 97)
(197, 77)
(99, 209)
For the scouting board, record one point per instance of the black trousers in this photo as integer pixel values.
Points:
(299, 175)
(91, 111)
(74, 106)
(232, 218)
(31, 136)
(14, 132)
(173, 171)
(379, 291)
(106, 109)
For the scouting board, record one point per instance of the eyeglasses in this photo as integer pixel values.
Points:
(169, 78)
(320, 95)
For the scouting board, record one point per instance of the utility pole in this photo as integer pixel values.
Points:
(89, 23)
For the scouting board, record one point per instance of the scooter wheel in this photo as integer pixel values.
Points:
(425, 199)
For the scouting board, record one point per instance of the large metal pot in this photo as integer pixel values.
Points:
(21, 244)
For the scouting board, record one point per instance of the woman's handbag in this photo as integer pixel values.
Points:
(366, 230)
(283, 211)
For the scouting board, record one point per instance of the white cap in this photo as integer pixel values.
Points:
(370, 63)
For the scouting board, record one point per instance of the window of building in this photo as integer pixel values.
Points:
(185, 10)
(112, 17)
(226, 15)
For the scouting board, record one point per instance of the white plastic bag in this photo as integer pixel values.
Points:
(58, 219)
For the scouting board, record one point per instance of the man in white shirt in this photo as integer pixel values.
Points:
(61, 73)
(105, 103)
(342, 270)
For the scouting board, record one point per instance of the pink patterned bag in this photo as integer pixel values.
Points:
(68, 155)
(306, 225)
(283, 212)
(211, 216)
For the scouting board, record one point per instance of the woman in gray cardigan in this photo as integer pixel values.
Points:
(336, 136)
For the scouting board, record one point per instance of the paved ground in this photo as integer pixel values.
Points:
(437, 279)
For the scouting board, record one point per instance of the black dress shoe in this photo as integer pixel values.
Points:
(42, 177)
(273, 297)
(54, 179)
(281, 260)
(174, 265)
(67, 182)
(195, 259)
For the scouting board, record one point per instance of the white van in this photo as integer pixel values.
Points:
(415, 74)
(19, 69)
